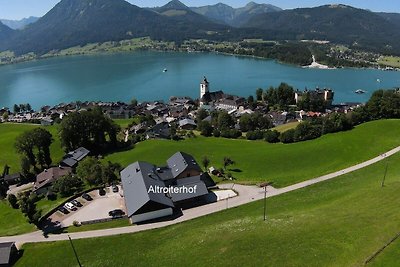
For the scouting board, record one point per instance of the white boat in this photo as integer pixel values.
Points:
(165, 70)
(360, 91)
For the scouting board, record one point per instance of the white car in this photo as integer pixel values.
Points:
(70, 206)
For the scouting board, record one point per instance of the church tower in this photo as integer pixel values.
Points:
(204, 87)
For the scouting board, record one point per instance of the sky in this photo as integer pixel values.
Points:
(17, 9)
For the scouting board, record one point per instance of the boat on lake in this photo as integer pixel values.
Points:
(165, 70)
(360, 91)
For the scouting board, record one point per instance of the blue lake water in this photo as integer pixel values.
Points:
(140, 74)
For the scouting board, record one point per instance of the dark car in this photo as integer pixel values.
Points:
(116, 213)
(115, 188)
(87, 197)
(63, 210)
(102, 192)
(76, 203)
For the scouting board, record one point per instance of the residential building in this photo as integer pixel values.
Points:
(182, 178)
(8, 254)
(45, 179)
(74, 157)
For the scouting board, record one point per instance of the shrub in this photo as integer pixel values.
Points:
(12, 199)
(272, 136)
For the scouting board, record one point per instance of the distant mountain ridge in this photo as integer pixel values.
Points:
(5, 32)
(337, 23)
(19, 24)
(234, 16)
(78, 22)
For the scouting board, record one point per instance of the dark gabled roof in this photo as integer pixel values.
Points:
(199, 189)
(5, 252)
(70, 162)
(136, 181)
(79, 153)
(181, 162)
(11, 177)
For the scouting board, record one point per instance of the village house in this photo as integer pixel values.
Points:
(8, 254)
(187, 124)
(74, 157)
(145, 187)
(317, 94)
(45, 179)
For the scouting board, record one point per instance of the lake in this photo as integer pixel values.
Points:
(140, 75)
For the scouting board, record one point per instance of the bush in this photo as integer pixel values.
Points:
(231, 133)
(255, 135)
(12, 199)
(288, 136)
(216, 133)
(76, 223)
(272, 136)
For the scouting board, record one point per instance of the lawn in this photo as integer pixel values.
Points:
(284, 127)
(10, 131)
(340, 222)
(283, 164)
(389, 257)
(12, 221)
(390, 61)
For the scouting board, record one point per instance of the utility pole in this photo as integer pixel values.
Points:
(384, 176)
(73, 248)
(265, 199)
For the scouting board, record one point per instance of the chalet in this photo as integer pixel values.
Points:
(45, 179)
(153, 192)
(74, 157)
(159, 131)
(12, 179)
(8, 254)
(187, 124)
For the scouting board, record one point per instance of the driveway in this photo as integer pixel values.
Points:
(96, 209)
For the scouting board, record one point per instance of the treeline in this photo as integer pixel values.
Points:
(280, 97)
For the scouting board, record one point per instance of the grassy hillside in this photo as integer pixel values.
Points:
(280, 163)
(8, 155)
(389, 257)
(12, 221)
(340, 222)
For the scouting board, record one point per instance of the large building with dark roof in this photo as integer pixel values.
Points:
(152, 192)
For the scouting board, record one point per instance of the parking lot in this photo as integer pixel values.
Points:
(96, 209)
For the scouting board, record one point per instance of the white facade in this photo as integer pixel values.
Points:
(204, 87)
(151, 215)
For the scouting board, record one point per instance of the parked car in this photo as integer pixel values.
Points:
(70, 206)
(63, 210)
(87, 197)
(76, 203)
(115, 188)
(102, 192)
(116, 213)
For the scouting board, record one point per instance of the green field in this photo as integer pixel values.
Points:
(284, 164)
(8, 133)
(340, 222)
(389, 257)
(284, 127)
(12, 221)
(390, 61)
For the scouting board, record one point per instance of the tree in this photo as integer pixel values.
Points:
(288, 136)
(205, 128)
(272, 136)
(91, 171)
(88, 129)
(67, 185)
(134, 102)
(5, 116)
(206, 162)
(38, 140)
(3, 189)
(28, 208)
(111, 172)
(227, 162)
(201, 115)
(25, 166)
(259, 94)
(12, 199)
(16, 109)
(225, 121)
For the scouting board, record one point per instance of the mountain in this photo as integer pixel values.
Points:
(234, 16)
(78, 22)
(19, 24)
(393, 18)
(5, 32)
(337, 23)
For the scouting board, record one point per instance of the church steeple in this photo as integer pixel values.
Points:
(204, 87)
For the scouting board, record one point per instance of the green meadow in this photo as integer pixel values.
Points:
(340, 222)
(282, 164)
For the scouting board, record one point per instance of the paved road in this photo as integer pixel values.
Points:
(247, 194)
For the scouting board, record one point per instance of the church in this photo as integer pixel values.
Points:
(218, 99)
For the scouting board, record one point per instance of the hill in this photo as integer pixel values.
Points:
(393, 18)
(281, 163)
(234, 16)
(336, 23)
(5, 32)
(340, 222)
(78, 22)
(19, 24)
